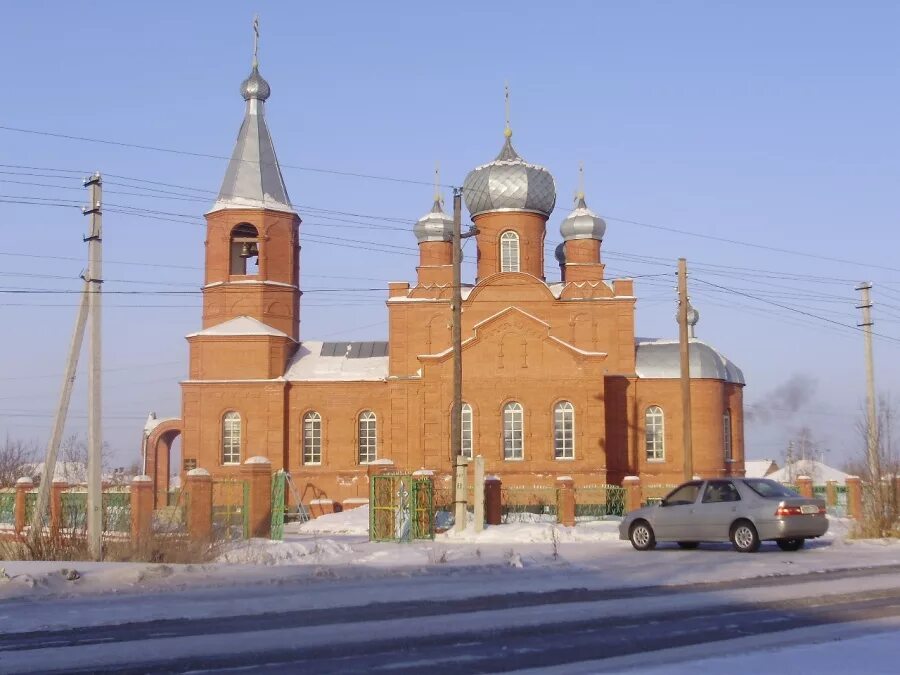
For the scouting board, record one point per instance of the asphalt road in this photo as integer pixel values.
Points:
(460, 650)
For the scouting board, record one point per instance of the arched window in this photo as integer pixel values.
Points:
(244, 246)
(509, 252)
(564, 430)
(654, 434)
(513, 431)
(231, 438)
(726, 435)
(367, 437)
(312, 438)
(465, 414)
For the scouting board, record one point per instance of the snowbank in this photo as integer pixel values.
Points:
(354, 521)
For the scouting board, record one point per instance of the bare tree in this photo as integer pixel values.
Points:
(16, 460)
(882, 509)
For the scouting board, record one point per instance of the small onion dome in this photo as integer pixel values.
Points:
(560, 253)
(582, 223)
(434, 225)
(509, 183)
(255, 86)
(693, 316)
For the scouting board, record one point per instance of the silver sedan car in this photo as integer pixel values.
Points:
(744, 511)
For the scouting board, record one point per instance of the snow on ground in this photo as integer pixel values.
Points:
(336, 547)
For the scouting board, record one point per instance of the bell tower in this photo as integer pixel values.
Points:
(252, 233)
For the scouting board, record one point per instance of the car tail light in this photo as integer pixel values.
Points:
(785, 510)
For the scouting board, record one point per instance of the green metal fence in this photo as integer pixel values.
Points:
(74, 510)
(230, 513)
(596, 502)
(117, 512)
(401, 508)
(279, 506)
(520, 504)
(7, 508)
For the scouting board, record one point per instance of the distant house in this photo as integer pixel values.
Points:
(759, 468)
(819, 472)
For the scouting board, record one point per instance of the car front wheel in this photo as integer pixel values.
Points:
(744, 537)
(791, 544)
(641, 536)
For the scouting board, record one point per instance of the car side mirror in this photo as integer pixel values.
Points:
(663, 503)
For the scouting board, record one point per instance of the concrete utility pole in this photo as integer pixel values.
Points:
(685, 353)
(95, 431)
(871, 415)
(59, 422)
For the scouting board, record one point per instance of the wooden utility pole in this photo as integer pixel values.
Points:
(59, 422)
(95, 432)
(685, 353)
(457, 460)
(871, 413)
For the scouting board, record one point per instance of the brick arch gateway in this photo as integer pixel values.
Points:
(157, 457)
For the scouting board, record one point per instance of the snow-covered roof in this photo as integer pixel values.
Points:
(241, 325)
(819, 472)
(313, 364)
(759, 468)
(656, 358)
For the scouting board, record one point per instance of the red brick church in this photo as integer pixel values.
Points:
(555, 381)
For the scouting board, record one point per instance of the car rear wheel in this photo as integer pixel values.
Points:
(688, 544)
(744, 537)
(791, 544)
(641, 535)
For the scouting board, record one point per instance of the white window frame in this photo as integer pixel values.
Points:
(655, 434)
(513, 432)
(727, 439)
(232, 430)
(510, 254)
(466, 430)
(312, 439)
(367, 437)
(564, 430)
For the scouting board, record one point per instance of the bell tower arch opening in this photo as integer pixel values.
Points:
(244, 250)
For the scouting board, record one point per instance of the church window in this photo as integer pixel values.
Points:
(231, 438)
(312, 438)
(244, 249)
(509, 252)
(513, 431)
(466, 429)
(726, 436)
(367, 437)
(564, 430)
(654, 434)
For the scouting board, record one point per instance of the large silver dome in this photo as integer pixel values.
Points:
(509, 183)
(435, 225)
(582, 223)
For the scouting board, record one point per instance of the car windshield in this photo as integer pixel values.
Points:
(769, 488)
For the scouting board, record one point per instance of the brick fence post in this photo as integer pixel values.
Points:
(805, 486)
(632, 485)
(141, 508)
(565, 501)
(831, 493)
(57, 488)
(854, 497)
(257, 471)
(198, 487)
(23, 487)
(493, 507)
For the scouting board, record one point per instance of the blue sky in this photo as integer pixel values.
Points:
(768, 124)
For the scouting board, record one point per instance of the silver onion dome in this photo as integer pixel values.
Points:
(509, 183)
(434, 225)
(582, 223)
(255, 86)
